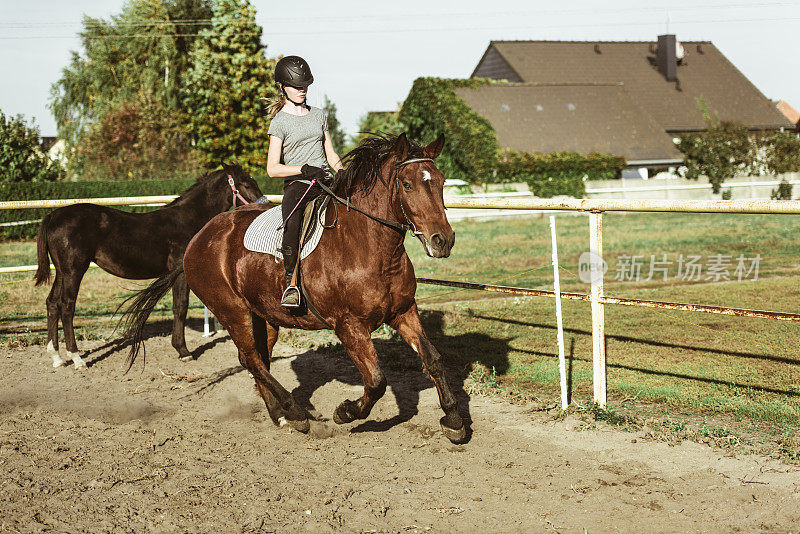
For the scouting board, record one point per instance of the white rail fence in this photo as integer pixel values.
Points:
(595, 209)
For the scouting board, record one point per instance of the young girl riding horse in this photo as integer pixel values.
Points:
(300, 148)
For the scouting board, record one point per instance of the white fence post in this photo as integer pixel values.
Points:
(598, 313)
(208, 329)
(562, 368)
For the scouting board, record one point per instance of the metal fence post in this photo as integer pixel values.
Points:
(598, 313)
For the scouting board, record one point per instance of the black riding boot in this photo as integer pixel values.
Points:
(291, 296)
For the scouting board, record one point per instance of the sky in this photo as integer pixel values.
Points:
(366, 54)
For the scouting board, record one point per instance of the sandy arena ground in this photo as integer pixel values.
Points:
(189, 447)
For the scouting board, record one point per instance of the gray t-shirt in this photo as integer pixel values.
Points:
(302, 137)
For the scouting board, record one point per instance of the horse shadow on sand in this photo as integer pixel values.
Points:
(405, 376)
(153, 329)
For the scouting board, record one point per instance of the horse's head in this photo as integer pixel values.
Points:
(420, 187)
(242, 182)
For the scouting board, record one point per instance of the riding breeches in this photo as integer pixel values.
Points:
(294, 203)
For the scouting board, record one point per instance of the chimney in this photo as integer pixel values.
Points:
(665, 57)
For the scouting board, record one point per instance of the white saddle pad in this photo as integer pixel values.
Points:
(263, 234)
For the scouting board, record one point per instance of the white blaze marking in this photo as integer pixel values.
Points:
(415, 348)
(426, 176)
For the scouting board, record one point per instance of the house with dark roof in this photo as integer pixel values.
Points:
(626, 98)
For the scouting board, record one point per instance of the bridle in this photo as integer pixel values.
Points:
(399, 226)
(410, 226)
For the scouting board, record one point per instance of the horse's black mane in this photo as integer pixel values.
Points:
(363, 163)
(199, 187)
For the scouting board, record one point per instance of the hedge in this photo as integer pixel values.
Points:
(432, 108)
(91, 189)
(558, 173)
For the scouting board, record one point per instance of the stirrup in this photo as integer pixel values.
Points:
(291, 297)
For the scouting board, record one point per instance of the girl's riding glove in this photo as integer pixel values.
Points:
(311, 172)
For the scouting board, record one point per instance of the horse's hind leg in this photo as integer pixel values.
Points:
(71, 282)
(409, 326)
(358, 342)
(53, 313)
(180, 305)
(239, 324)
(265, 335)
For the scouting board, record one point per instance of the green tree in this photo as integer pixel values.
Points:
(719, 153)
(137, 140)
(134, 58)
(229, 76)
(21, 156)
(334, 127)
(376, 122)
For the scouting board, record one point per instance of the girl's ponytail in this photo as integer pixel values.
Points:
(276, 105)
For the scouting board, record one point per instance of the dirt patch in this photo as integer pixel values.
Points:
(189, 447)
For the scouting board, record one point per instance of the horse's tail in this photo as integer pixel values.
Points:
(141, 305)
(42, 275)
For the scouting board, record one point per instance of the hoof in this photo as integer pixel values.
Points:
(456, 436)
(301, 426)
(77, 361)
(53, 353)
(345, 413)
(186, 358)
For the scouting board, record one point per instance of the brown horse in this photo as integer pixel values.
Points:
(129, 245)
(359, 278)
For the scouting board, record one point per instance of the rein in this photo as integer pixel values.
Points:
(235, 192)
(400, 227)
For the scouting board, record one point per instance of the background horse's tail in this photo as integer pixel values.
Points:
(42, 275)
(141, 305)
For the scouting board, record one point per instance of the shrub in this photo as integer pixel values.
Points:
(783, 192)
(21, 157)
(780, 152)
(722, 151)
(432, 108)
(558, 173)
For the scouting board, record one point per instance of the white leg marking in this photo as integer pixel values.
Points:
(57, 361)
(76, 359)
(282, 421)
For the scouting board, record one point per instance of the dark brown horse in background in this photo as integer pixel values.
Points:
(359, 277)
(136, 246)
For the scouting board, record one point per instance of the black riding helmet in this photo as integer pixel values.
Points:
(293, 71)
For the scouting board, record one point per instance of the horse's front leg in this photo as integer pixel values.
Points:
(358, 342)
(409, 326)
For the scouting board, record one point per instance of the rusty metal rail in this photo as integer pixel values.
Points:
(722, 310)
